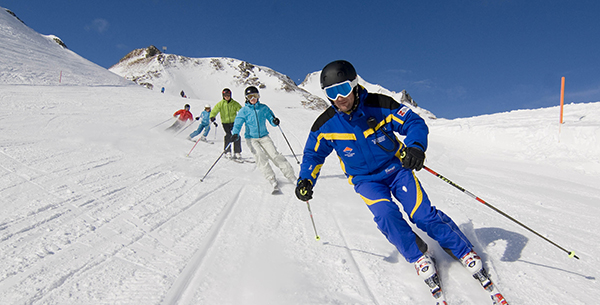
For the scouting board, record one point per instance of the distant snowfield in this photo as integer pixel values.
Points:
(100, 207)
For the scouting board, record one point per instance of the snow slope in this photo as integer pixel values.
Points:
(100, 206)
(28, 58)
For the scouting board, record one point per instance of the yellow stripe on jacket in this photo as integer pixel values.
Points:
(334, 136)
(388, 119)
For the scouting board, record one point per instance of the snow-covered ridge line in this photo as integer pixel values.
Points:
(28, 57)
(202, 78)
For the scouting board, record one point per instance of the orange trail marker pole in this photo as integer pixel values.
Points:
(562, 98)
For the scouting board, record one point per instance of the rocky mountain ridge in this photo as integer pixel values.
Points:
(151, 68)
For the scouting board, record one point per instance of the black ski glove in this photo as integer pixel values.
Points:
(235, 137)
(413, 158)
(304, 190)
(216, 125)
(213, 119)
(197, 118)
(276, 121)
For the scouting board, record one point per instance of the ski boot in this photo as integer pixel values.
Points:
(425, 267)
(473, 263)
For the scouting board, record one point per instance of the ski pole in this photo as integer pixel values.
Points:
(226, 149)
(313, 221)
(288, 143)
(192, 148)
(162, 122)
(184, 128)
(571, 253)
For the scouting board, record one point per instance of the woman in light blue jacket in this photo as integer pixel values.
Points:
(255, 115)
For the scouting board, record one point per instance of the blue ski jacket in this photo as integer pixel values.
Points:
(364, 139)
(205, 117)
(254, 116)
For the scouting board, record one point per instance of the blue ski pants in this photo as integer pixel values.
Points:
(407, 189)
(206, 128)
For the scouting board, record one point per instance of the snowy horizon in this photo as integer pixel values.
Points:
(101, 206)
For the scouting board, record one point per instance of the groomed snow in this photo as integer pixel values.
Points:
(101, 206)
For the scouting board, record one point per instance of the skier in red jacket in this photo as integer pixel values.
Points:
(184, 115)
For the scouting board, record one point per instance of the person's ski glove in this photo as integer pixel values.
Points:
(213, 119)
(276, 121)
(304, 190)
(235, 137)
(413, 158)
(197, 118)
(216, 125)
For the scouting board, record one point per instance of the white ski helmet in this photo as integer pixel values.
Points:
(206, 106)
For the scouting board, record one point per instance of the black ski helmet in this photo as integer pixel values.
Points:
(250, 90)
(226, 91)
(187, 106)
(336, 72)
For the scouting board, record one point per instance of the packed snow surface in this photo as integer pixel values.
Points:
(101, 206)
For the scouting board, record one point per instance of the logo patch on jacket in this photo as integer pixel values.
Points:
(348, 152)
(380, 139)
(403, 111)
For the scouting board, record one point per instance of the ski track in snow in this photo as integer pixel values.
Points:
(180, 286)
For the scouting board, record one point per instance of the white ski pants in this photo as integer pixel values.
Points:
(264, 150)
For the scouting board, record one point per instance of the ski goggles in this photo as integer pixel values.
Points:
(252, 96)
(342, 89)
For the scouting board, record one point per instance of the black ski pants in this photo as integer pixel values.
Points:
(237, 145)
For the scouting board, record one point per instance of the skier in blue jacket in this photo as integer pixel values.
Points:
(360, 127)
(254, 116)
(204, 124)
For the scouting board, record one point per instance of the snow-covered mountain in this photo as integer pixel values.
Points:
(203, 78)
(28, 57)
(100, 206)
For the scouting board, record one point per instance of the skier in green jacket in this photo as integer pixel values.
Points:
(228, 108)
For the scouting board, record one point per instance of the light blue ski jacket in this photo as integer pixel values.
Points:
(204, 117)
(254, 116)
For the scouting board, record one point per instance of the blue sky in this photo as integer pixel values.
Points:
(455, 58)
